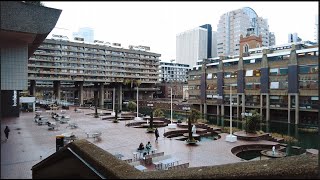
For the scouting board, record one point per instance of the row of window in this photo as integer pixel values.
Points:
(79, 48)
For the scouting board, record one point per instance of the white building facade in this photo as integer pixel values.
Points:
(173, 72)
(234, 23)
(192, 45)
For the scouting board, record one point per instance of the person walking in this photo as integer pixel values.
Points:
(156, 133)
(6, 132)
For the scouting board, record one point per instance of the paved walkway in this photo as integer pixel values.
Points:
(29, 143)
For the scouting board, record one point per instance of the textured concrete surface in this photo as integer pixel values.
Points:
(28, 143)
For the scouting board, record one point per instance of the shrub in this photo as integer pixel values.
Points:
(194, 116)
(132, 106)
(252, 122)
(158, 113)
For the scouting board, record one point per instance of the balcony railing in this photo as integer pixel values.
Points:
(308, 92)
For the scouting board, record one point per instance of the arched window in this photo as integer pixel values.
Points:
(246, 48)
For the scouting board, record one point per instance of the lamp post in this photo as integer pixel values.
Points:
(230, 137)
(172, 125)
(137, 118)
(151, 115)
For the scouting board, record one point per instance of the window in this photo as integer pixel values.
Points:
(274, 85)
(249, 72)
(209, 76)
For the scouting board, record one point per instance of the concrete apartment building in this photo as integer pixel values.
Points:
(235, 23)
(272, 39)
(281, 82)
(23, 27)
(173, 75)
(293, 37)
(82, 70)
(194, 44)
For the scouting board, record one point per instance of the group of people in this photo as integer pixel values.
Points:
(148, 145)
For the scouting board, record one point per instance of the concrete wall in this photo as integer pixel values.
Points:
(14, 67)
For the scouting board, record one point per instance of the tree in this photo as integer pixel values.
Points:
(158, 113)
(132, 106)
(252, 122)
(195, 115)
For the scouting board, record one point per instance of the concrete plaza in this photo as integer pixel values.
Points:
(30, 143)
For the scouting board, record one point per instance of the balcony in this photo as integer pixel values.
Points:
(311, 76)
(308, 92)
(252, 66)
(282, 92)
(278, 78)
(231, 68)
(194, 92)
(252, 91)
(253, 79)
(232, 80)
(194, 82)
(308, 60)
(280, 63)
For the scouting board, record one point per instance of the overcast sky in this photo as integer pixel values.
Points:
(156, 24)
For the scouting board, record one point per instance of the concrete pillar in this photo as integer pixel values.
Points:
(113, 99)
(57, 90)
(218, 110)
(201, 111)
(80, 93)
(32, 88)
(267, 107)
(205, 111)
(243, 98)
(222, 110)
(297, 109)
(238, 101)
(261, 106)
(101, 95)
(289, 108)
(120, 98)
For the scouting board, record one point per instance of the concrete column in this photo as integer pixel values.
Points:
(101, 95)
(113, 99)
(297, 108)
(120, 98)
(261, 106)
(243, 97)
(205, 110)
(80, 93)
(238, 101)
(201, 111)
(32, 88)
(57, 90)
(289, 107)
(218, 110)
(222, 109)
(267, 107)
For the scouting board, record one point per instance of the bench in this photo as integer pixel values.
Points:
(180, 166)
(72, 125)
(94, 135)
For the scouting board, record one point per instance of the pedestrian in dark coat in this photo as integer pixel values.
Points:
(6, 132)
(156, 133)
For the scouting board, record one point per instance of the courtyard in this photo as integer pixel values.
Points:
(30, 143)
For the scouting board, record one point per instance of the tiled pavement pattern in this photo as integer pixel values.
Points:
(25, 146)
